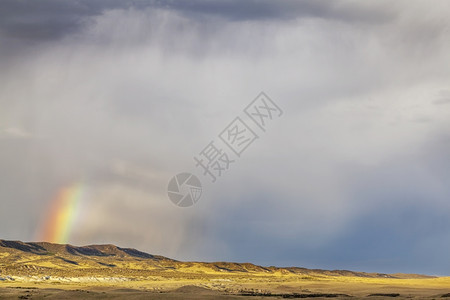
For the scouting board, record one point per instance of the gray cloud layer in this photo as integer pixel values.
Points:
(47, 19)
(122, 96)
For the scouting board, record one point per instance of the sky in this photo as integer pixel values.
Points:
(114, 98)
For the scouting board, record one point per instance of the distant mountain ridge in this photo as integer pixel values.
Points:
(44, 248)
(29, 258)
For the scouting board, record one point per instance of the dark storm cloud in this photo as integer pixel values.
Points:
(285, 9)
(52, 19)
(402, 223)
(394, 237)
(46, 19)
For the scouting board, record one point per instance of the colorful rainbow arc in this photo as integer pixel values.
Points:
(62, 214)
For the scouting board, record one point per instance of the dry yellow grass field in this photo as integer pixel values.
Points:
(52, 271)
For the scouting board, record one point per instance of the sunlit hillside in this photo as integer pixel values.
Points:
(108, 268)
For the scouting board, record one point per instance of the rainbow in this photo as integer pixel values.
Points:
(62, 214)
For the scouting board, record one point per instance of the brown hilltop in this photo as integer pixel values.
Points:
(44, 248)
